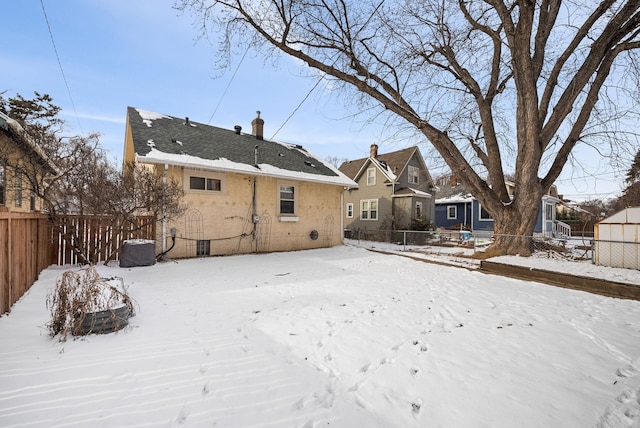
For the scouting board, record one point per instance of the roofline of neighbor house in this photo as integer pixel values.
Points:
(15, 128)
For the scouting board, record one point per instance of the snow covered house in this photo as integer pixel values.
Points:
(22, 163)
(395, 191)
(244, 193)
(617, 240)
(456, 208)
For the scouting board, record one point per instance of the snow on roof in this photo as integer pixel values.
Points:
(223, 164)
(158, 138)
(455, 199)
(384, 167)
(148, 116)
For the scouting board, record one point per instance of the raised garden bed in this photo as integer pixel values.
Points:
(84, 303)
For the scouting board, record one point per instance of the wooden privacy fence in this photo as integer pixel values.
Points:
(30, 242)
(26, 248)
(97, 238)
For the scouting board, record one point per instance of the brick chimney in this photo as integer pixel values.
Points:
(257, 127)
(373, 152)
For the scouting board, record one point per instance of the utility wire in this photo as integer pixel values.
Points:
(228, 84)
(64, 77)
(298, 107)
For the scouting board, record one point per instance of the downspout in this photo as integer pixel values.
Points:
(342, 215)
(164, 209)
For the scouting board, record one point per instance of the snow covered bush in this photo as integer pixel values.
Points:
(83, 303)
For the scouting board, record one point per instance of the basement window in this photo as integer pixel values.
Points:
(203, 247)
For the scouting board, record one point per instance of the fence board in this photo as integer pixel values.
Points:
(29, 243)
(25, 250)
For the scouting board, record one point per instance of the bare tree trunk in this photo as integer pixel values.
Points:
(515, 224)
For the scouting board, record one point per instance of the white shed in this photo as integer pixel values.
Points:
(617, 240)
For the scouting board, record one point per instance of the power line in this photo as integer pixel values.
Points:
(228, 84)
(298, 107)
(64, 77)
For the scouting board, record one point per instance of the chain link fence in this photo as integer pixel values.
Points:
(466, 243)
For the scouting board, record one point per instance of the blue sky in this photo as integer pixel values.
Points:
(143, 53)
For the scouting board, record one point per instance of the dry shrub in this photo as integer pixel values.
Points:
(82, 293)
(491, 251)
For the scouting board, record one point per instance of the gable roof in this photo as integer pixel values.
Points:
(163, 139)
(391, 164)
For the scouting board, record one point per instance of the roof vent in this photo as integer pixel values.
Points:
(237, 128)
(186, 121)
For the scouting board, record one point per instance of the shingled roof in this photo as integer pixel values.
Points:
(163, 139)
(395, 162)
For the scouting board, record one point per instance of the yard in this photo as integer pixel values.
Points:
(335, 337)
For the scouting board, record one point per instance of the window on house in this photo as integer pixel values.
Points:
(203, 183)
(32, 201)
(418, 209)
(414, 174)
(287, 198)
(203, 247)
(548, 212)
(2, 185)
(18, 190)
(369, 209)
(350, 210)
(484, 214)
(371, 177)
(452, 212)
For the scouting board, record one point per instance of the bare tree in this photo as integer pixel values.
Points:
(493, 85)
(86, 183)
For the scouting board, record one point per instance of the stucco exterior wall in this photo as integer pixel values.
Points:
(224, 219)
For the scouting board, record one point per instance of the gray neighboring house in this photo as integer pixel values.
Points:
(395, 192)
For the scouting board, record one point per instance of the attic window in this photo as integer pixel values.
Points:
(414, 174)
(371, 177)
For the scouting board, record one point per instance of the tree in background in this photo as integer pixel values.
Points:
(492, 85)
(88, 183)
(631, 194)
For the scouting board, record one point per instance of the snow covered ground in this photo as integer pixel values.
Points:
(337, 337)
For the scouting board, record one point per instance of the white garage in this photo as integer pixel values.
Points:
(617, 240)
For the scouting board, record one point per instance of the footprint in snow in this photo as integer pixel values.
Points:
(366, 368)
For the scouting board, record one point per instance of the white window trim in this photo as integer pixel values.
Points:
(421, 213)
(188, 173)
(548, 209)
(288, 217)
(349, 210)
(373, 176)
(411, 176)
(362, 201)
(455, 211)
(480, 214)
